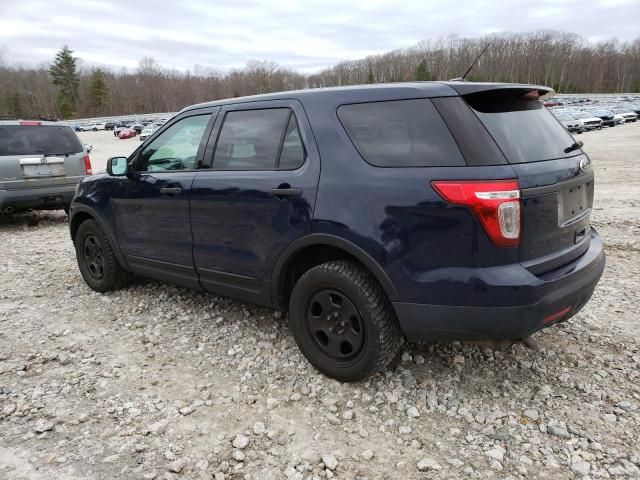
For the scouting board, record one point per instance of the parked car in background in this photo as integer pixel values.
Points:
(607, 117)
(477, 223)
(148, 131)
(127, 133)
(110, 125)
(628, 115)
(92, 127)
(570, 123)
(137, 126)
(588, 121)
(40, 165)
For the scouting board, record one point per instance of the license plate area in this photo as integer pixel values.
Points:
(573, 204)
(38, 167)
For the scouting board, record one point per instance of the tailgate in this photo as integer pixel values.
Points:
(557, 197)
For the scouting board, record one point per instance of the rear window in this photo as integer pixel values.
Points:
(38, 139)
(400, 133)
(522, 127)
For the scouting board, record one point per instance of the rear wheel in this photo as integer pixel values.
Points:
(343, 322)
(96, 259)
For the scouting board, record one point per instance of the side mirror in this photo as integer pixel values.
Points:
(117, 166)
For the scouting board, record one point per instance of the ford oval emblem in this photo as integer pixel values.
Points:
(584, 164)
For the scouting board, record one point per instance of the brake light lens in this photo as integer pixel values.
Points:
(30, 122)
(496, 203)
(87, 165)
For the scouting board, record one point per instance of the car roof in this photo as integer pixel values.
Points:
(40, 122)
(377, 92)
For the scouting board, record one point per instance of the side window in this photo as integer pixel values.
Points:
(292, 154)
(400, 133)
(257, 139)
(175, 148)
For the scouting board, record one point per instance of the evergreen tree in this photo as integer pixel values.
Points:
(98, 91)
(421, 71)
(370, 77)
(64, 73)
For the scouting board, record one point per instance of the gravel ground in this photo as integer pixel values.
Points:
(156, 381)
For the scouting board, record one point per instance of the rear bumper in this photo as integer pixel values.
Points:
(41, 198)
(553, 297)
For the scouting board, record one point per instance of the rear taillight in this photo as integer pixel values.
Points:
(496, 203)
(30, 122)
(87, 165)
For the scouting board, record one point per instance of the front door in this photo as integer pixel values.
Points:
(151, 204)
(256, 198)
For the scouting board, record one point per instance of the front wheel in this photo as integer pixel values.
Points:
(97, 261)
(343, 322)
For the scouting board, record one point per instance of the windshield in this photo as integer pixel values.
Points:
(38, 139)
(565, 118)
(521, 126)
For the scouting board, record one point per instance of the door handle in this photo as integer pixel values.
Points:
(170, 191)
(286, 192)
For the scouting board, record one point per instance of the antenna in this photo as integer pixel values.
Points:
(461, 79)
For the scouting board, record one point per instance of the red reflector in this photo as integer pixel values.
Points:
(556, 316)
(30, 122)
(87, 165)
(496, 203)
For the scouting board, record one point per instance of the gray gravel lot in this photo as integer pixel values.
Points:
(156, 381)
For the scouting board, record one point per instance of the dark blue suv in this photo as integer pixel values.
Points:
(430, 211)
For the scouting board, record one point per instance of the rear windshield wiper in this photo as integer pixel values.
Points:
(573, 147)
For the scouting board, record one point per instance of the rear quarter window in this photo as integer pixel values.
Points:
(400, 133)
(38, 139)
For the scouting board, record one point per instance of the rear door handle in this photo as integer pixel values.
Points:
(170, 191)
(286, 192)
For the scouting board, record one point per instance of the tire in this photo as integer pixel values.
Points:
(101, 271)
(343, 322)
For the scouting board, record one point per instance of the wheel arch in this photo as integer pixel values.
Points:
(83, 213)
(312, 250)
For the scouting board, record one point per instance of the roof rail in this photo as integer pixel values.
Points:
(13, 117)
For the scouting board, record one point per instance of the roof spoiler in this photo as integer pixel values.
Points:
(468, 88)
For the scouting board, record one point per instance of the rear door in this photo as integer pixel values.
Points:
(555, 175)
(255, 198)
(34, 154)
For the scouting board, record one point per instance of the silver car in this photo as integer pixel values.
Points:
(40, 165)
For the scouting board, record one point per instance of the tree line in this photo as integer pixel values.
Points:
(67, 88)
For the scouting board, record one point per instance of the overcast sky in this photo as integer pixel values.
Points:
(305, 35)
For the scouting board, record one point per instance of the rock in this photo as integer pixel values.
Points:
(259, 428)
(83, 417)
(158, 427)
(111, 458)
(8, 409)
(202, 464)
(531, 414)
(496, 453)
(406, 357)
(427, 464)
(272, 403)
(329, 461)
(186, 411)
(412, 412)
(558, 431)
(219, 476)
(284, 440)
(419, 359)
(177, 465)
(43, 425)
(240, 441)
(581, 467)
(348, 415)
(458, 360)
(238, 455)
(367, 455)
